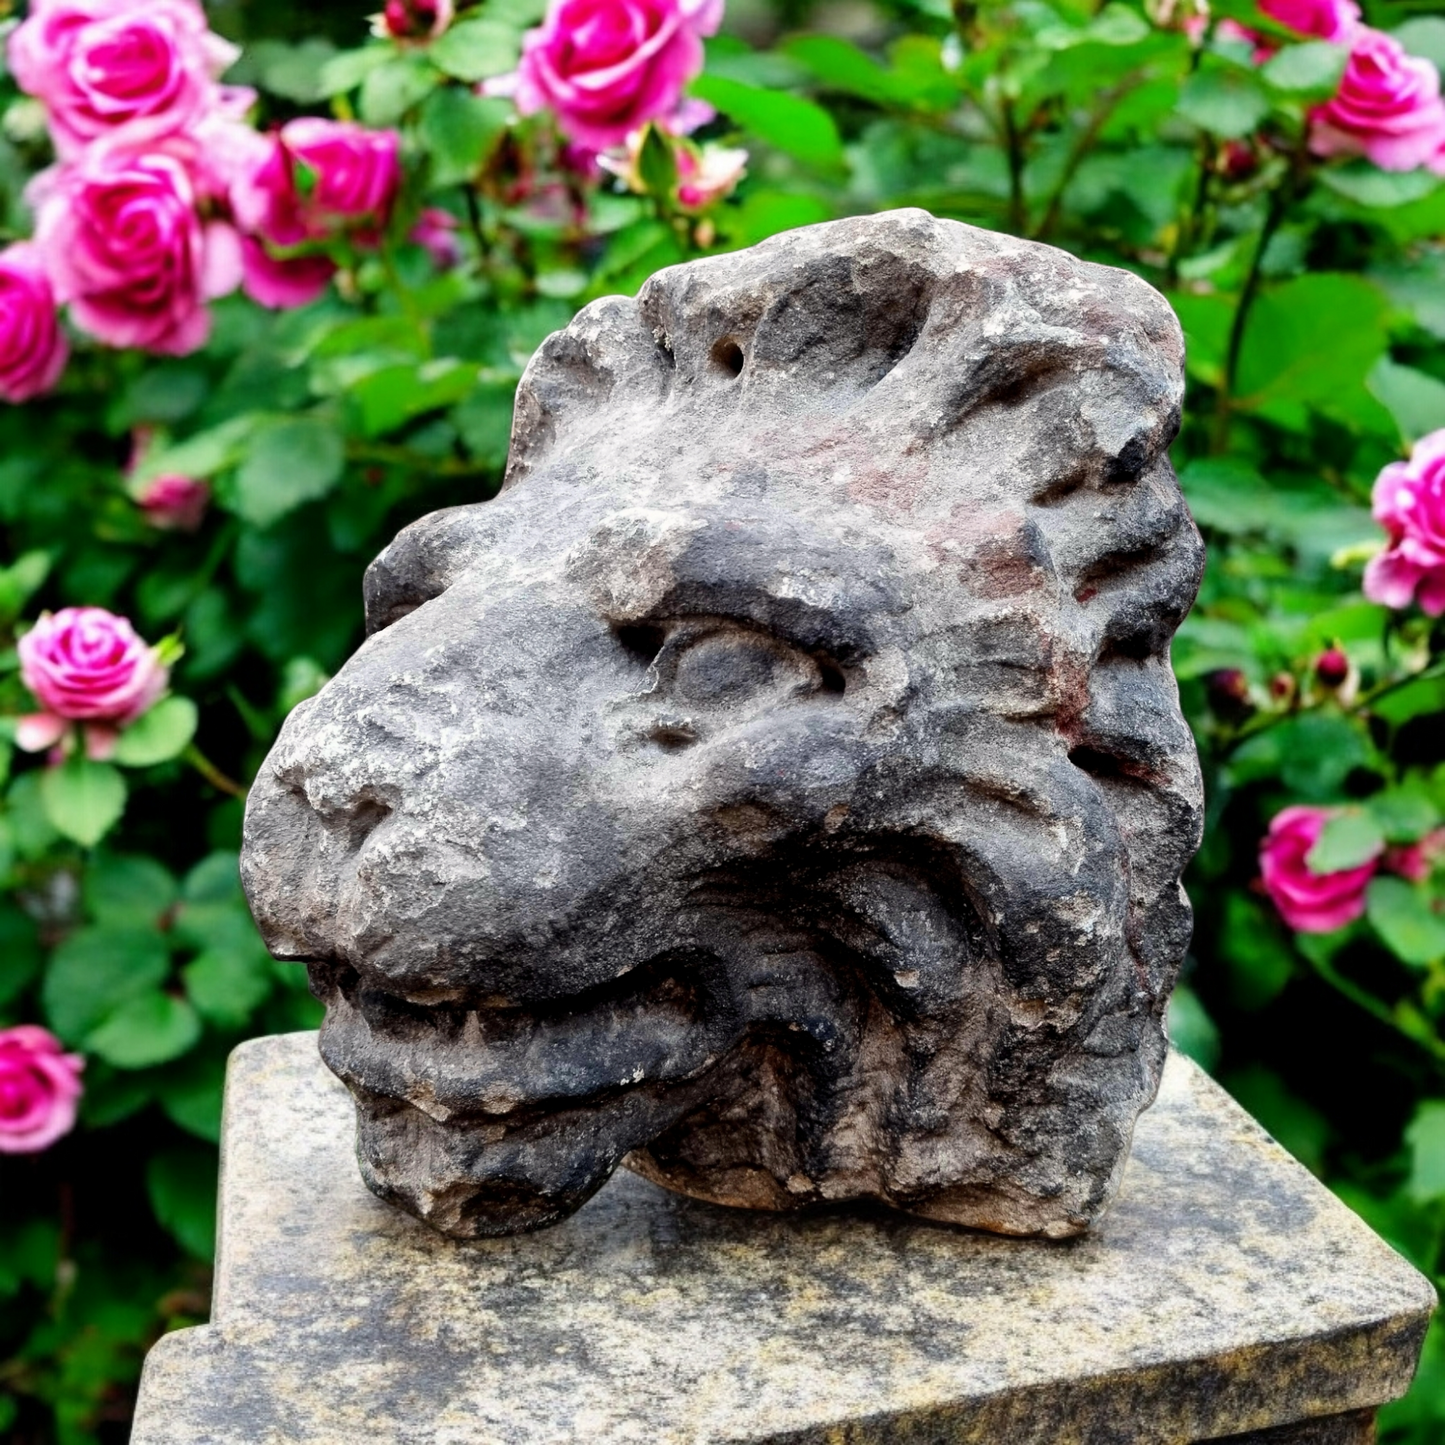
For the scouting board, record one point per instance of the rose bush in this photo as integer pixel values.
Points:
(296, 295)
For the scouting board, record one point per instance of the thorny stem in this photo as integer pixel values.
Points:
(1192, 222)
(399, 456)
(212, 774)
(1376, 1008)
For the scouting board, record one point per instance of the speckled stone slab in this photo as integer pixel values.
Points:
(1226, 1294)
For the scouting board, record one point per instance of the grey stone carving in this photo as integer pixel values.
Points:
(781, 786)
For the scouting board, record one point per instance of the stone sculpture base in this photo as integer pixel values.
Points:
(1226, 1296)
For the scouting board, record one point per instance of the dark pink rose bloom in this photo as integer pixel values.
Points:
(607, 67)
(87, 664)
(98, 65)
(33, 349)
(436, 233)
(1335, 20)
(314, 177)
(1309, 902)
(123, 243)
(282, 282)
(1387, 108)
(174, 503)
(39, 1089)
(1409, 503)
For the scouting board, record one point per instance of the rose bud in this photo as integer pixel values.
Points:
(1332, 667)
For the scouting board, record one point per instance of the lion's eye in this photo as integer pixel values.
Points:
(733, 666)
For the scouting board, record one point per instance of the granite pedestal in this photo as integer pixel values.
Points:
(1226, 1296)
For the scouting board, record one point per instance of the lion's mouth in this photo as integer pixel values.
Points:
(659, 1025)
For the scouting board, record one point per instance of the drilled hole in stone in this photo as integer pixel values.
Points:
(831, 675)
(728, 355)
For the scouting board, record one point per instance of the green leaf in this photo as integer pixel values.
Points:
(1260, 962)
(1312, 340)
(794, 126)
(83, 800)
(288, 464)
(1311, 70)
(151, 1028)
(1425, 1135)
(20, 581)
(394, 395)
(459, 129)
(292, 71)
(1191, 1030)
(20, 955)
(656, 163)
(161, 733)
(348, 69)
(215, 879)
(1224, 100)
(1414, 398)
(228, 987)
(1424, 35)
(1418, 698)
(1401, 914)
(191, 1093)
(1404, 814)
(475, 50)
(96, 970)
(1367, 185)
(128, 890)
(485, 423)
(201, 455)
(391, 90)
(182, 1187)
(1348, 839)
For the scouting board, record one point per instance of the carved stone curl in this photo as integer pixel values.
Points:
(781, 787)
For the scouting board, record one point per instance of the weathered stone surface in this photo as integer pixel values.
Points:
(1226, 1293)
(782, 784)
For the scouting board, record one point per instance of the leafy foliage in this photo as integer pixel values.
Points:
(1311, 297)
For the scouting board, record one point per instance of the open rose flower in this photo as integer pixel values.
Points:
(316, 176)
(39, 1089)
(33, 350)
(1335, 20)
(1309, 902)
(1409, 502)
(86, 665)
(124, 245)
(99, 65)
(1387, 107)
(607, 67)
(436, 233)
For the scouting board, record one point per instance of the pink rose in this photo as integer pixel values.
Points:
(39, 1089)
(281, 282)
(1307, 901)
(316, 174)
(1387, 107)
(123, 244)
(98, 65)
(607, 67)
(1410, 505)
(33, 350)
(1335, 20)
(87, 664)
(173, 503)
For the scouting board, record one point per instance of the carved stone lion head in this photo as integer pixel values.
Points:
(781, 786)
